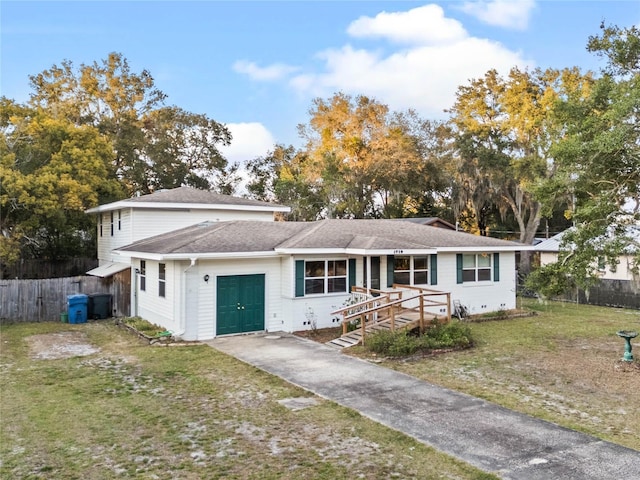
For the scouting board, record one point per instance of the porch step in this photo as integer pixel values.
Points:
(354, 338)
(348, 340)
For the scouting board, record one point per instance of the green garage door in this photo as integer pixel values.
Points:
(240, 304)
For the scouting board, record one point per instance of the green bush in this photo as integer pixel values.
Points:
(403, 343)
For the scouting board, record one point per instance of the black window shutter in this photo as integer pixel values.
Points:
(389, 270)
(496, 267)
(434, 269)
(459, 268)
(352, 273)
(299, 278)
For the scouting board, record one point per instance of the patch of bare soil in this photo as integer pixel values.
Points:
(320, 335)
(59, 345)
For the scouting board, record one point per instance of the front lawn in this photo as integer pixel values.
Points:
(93, 401)
(563, 365)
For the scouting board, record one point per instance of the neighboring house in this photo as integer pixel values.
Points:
(616, 286)
(224, 277)
(126, 221)
(549, 249)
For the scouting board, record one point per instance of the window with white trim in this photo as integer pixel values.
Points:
(476, 267)
(411, 270)
(162, 276)
(325, 276)
(143, 275)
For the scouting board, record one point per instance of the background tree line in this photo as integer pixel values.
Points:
(551, 147)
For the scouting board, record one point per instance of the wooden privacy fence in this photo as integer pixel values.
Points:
(42, 300)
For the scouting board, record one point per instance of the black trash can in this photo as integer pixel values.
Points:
(100, 306)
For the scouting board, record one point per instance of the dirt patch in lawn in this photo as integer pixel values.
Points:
(58, 345)
(321, 335)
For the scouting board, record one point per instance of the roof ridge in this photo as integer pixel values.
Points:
(313, 227)
(205, 231)
(191, 239)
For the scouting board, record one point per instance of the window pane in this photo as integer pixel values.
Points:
(314, 269)
(484, 274)
(468, 275)
(143, 267)
(338, 284)
(468, 261)
(161, 271)
(420, 263)
(143, 283)
(337, 268)
(161, 289)
(401, 277)
(484, 260)
(314, 286)
(420, 278)
(401, 263)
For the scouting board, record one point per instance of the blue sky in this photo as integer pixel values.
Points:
(256, 66)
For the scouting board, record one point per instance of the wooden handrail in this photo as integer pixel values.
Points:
(367, 309)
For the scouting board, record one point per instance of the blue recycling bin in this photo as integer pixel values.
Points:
(77, 308)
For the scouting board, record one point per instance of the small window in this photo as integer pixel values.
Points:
(143, 275)
(161, 279)
(411, 270)
(112, 223)
(119, 220)
(100, 222)
(325, 276)
(476, 268)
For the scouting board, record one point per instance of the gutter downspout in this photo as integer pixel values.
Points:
(183, 316)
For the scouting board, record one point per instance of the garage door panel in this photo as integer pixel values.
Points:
(240, 303)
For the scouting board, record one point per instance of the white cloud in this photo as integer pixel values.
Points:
(250, 140)
(424, 25)
(501, 13)
(439, 55)
(424, 77)
(275, 71)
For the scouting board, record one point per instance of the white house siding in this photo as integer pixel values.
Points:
(480, 297)
(137, 224)
(121, 235)
(312, 311)
(163, 311)
(147, 222)
(622, 271)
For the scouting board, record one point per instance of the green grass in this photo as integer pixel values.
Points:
(134, 410)
(563, 365)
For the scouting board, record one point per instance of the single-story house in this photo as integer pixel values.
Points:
(224, 277)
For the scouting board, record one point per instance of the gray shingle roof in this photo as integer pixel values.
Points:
(257, 236)
(187, 195)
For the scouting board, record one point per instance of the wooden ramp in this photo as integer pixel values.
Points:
(389, 310)
(404, 321)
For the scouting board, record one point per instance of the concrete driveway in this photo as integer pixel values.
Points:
(506, 443)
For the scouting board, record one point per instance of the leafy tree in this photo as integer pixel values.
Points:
(599, 157)
(51, 171)
(279, 177)
(365, 161)
(154, 146)
(505, 131)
